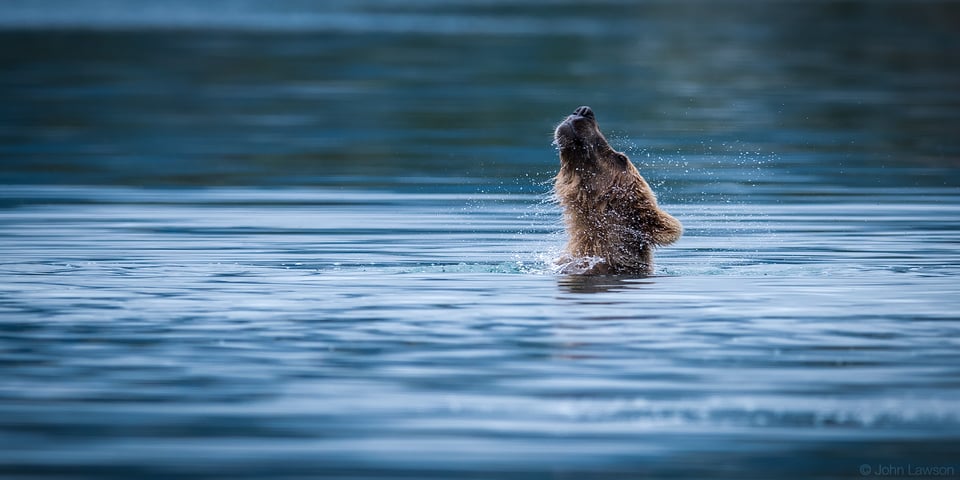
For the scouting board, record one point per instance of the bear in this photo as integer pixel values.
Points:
(611, 214)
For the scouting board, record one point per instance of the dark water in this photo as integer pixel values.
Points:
(291, 240)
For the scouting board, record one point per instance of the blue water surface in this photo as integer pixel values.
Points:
(284, 240)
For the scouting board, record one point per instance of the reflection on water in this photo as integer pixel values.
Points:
(276, 240)
(600, 284)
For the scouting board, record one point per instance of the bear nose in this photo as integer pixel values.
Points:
(584, 111)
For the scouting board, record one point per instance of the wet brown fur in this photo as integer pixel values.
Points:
(611, 214)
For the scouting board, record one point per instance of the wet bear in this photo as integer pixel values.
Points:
(611, 214)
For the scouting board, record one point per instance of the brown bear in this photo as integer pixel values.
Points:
(611, 214)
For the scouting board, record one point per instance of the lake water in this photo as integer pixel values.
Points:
(280, 240)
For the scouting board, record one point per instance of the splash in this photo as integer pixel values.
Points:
(567, 265)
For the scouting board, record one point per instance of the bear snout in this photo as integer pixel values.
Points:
(584, 111)
(565, 133)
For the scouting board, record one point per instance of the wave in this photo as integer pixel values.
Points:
(246, 15)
